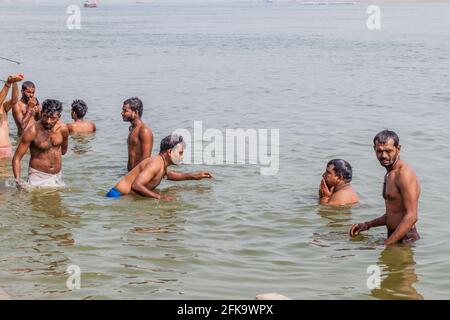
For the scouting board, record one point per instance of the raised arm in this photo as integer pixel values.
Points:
(15, 98)
(25, 142)
(410, 191)
(179, 176)
(4, 92)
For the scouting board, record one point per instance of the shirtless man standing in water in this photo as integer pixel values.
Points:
(5, 143)
(401, 193)
(27, 111)
(48, 142)
(140, 138)
(147, 175)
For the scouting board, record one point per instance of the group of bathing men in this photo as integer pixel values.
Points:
(41, 130)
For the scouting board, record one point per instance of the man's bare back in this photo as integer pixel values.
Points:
(81, 127)
(140, 141)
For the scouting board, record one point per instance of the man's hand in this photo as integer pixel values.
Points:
(357, 228)
(19, 185)
(15, 78)
(202, 175)
(32, 103)
(324, 192)
(166, 198)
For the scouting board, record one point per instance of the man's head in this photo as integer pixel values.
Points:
(387, 147)
(173, 146)
(79, 109)
(28, 90)
(51, 112)
(132, 108)
(338, 171)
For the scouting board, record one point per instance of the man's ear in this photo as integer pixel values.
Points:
(399, 147)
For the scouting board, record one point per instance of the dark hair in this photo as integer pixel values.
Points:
(80, 108)
(342, 169)
(384, 136)
(170, 142)
(28, 84)
(50, 106)
(135, 104)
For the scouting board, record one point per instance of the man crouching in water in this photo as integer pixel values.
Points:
(147, 175)
(48, 141)
(335, 188)
(401, 193)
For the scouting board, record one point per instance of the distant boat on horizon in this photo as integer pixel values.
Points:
(90, 4)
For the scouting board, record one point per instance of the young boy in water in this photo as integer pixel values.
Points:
(5, 143)
(79, 125)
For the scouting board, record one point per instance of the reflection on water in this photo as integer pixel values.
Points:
(398, 274)
(336, 216)
(82, 144)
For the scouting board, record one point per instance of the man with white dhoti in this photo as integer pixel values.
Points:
(48, 142)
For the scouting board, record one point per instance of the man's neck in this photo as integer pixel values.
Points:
(136, 122)
(341, 186)
(165, 159)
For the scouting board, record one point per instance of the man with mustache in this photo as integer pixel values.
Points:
(27, 111)
(401, 193)
(48, 142)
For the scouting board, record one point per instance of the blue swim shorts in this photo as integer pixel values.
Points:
(114, 193)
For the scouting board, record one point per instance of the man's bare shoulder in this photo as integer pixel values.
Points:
(145, 131)
(30, 132)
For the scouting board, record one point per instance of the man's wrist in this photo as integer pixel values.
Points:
(368, 225)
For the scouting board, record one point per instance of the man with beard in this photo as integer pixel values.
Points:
(140, 138)
(401, 191)
(335, 188)
(27, 111)
(48, 141)
(5, 106)
(147, 175)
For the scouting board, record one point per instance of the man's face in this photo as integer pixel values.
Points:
(28, 93)
(176, 154)
(387, 153)
(49, 120)
(330, 176)
(127, 113)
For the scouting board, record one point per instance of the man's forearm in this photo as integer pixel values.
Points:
(179, 176)
(4, 92)
(16, 168)
(15, 94)
(144, 191)
(378, 222)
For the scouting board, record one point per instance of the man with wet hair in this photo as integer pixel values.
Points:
(5, 143)
(401, 192)
(140, 137)
(335, 188)
(27, 111)
(147, 175)
(48, 142)
(79, 125)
